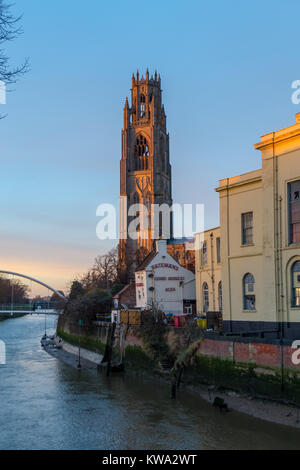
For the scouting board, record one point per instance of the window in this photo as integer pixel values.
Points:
(205, 293)
(218, 242)
(188, 309)
(141, 154)
(296, 284)
(249, 292)
(247, 228)
(204, 254)
(220, 296)
(294, 211)
(142, 106)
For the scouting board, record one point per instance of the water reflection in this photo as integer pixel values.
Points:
(49, 405)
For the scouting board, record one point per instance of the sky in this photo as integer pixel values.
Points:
(226, 68)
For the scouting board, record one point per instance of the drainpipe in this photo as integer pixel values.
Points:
(278, 258)
(228, 258)
(212, 269)
(277, 241)
(280, 263)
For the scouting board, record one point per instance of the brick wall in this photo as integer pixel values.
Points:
(269, 355)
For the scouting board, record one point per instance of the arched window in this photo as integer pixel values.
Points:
(220, 296)
(142, 106)
(296, 284)
(249, 292)
(141, 154)
(205, 296)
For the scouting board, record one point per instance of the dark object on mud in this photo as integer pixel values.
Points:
(117, 367)
(220, 403)
(173, 391)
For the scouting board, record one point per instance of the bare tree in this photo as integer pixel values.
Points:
(9, 30)
(105, 268)
(103, 274)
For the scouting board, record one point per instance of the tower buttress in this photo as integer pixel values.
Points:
(145, 165)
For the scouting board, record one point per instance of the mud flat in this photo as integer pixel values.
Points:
(267, 410)
(69, 354)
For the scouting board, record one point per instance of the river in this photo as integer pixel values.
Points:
(46, 404)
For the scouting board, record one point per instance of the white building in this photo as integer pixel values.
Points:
(164, 283)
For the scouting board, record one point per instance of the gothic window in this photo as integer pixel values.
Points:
(142, 106)
(296, 284)
(249, 292)
(205, 297)
(141, 154)
(294, 212)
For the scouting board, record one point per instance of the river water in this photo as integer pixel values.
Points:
(46, 404)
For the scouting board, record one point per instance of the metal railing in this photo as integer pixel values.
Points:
(52, 307)
(16, 308)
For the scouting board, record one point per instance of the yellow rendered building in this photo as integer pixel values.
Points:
(260, 242)
(208, 271)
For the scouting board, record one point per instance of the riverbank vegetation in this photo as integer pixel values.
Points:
(91, 293)
(13, 290)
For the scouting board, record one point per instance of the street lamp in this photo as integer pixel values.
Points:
(79, 347)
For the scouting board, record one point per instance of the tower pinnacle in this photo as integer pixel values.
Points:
(145, 166)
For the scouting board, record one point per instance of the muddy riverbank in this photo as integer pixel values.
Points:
(267, 410)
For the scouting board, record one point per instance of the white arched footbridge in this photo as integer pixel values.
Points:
(29, 309)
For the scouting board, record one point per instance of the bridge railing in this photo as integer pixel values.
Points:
(16, 308)
(28, 307)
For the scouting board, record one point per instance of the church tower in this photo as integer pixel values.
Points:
(145, 167)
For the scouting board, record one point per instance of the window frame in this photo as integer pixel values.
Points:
(218, 249)
(142, 153)
(246, 296)
(220, 296)
(142, 109)
(205, 297)
(245, 228)
(289, 212)
(293, 287)
(204, 257)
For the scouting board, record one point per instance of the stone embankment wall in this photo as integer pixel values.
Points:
(92, 337)
(258, 367)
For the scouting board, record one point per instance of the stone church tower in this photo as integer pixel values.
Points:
(145, 167)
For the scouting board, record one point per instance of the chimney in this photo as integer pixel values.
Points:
(161, 246)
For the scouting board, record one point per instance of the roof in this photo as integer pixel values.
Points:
(146, 261)
(214, 229)
(180, 241)
(286, 133)
(239, 180)
(122, 291)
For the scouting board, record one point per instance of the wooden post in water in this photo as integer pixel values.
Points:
(109, 348)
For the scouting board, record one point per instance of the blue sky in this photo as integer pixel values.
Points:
(226, 68)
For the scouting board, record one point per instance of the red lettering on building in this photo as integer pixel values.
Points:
(165, 265)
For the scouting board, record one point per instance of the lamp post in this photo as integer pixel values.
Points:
(12, 298)
(79, 348)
